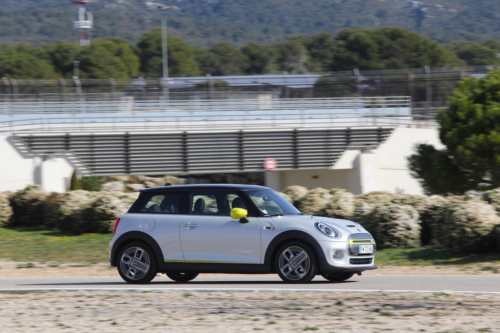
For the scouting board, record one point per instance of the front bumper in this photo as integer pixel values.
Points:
(351, 261)
(335, 269)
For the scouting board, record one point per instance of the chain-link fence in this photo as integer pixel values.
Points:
(429, 88)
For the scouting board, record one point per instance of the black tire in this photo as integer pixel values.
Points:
(182, 277)
(137, 263)
(304, 271)
(337, 277)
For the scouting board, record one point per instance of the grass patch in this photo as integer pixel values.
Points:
(33, 244)
(430, 255)
(36, 245)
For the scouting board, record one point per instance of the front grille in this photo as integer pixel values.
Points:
(356, 240)
(363, 261)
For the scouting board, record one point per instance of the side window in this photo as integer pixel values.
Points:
(162, 204)
(266, 203)
(215, 203)
(203, 204)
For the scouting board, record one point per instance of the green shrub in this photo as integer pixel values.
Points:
(380, 197)
(469, 226)
(295, 193)
(27, 206)
(91, 184)
(75, 182)
(5, 209)
(101, 215)
(431, 211)
(90, 212)
(392, 226)
(341, 205)
(493, 198)
(314, 202)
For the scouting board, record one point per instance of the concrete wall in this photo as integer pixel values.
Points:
(381, 169)
(278, 180)
(18, 170)
(394, 175)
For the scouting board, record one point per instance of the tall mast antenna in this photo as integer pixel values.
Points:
(84, 21)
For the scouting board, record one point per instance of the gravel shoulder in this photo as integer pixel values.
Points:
(24, 269)
(173, 311)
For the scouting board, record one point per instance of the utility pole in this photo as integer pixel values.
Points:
(164, 43)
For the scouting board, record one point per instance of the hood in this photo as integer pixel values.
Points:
(345, 227)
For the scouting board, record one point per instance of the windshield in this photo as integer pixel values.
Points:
(271, 203)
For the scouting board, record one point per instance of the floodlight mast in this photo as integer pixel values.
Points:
(164, 27)
(84, 21)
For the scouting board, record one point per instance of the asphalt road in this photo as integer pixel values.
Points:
(486, 283)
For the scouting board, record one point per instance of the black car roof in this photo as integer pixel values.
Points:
(204, 187)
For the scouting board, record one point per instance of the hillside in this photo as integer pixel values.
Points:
(204, 22)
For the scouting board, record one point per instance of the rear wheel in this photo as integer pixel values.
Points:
(181, 277)
(337, 277)
(296, 263)
(137, 263)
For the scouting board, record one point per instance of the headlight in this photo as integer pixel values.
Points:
(326, 229)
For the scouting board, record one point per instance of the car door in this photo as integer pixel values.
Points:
(210, 235)
(160, 217)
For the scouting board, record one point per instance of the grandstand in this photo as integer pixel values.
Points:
(333, 139)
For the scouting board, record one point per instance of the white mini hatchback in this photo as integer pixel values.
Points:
(186, 230)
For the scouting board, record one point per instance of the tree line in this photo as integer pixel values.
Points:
(365, 49)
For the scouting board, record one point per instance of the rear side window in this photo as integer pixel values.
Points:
(162, 204)
(214, 203)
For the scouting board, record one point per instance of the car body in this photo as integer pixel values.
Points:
(190, 229)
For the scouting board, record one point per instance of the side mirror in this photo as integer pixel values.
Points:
(239, 214)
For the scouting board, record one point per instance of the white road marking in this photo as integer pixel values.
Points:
(251, 289)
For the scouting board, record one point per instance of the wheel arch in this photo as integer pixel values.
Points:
(131, 237)
(290, 236)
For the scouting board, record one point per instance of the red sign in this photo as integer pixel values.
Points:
(270, 164)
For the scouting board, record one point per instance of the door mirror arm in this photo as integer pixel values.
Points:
(244, 220)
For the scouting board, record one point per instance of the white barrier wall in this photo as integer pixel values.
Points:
(18, 170)
(382, 169)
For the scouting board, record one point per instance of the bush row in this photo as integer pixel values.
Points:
(74, 212)
(460, 223)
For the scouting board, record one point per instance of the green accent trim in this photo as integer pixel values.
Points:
(200, 261)
(354, 241)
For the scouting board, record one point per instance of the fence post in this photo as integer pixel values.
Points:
(358, 79)
(112, 83)
(62, 83)
(411, 86)
(428, 90)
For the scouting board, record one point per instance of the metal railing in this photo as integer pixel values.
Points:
(154, 124)
(164, 115)
(132, 105)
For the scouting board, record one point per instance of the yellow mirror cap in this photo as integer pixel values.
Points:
(238, 213)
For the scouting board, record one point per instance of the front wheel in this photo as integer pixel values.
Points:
(137, 263)
(295, 262)
(337, 277)
(181, 277)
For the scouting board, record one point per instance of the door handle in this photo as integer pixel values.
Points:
(191, 225)
(269, 227)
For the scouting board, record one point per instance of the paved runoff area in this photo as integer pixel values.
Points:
(392, 283)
